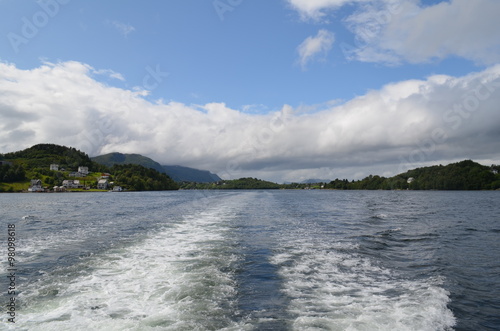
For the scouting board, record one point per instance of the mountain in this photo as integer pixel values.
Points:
(185, 174)
(111, 159)
(177, 173)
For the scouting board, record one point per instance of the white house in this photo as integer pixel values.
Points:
(410, 180)
(70, 183)
(84, 171)
(54, 167)
(102, 184)
(59, 189)
(35, 186)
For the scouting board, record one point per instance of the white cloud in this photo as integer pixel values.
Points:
(110, 74)
(124, 29)
(405, 31)
(397, 31)
(402, 125)
(311, 47)
(315, 9)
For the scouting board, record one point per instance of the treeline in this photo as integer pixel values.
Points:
(138, 178)
(12, 173)
(234, 184)
(43, 155)
(465, 175)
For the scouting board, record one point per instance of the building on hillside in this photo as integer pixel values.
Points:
(410, 180)
(84, 171)
(54, 167)
(102, 184)
(35, 186)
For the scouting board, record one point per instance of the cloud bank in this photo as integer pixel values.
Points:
(400, 126)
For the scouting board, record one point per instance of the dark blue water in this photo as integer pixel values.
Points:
(256, 260)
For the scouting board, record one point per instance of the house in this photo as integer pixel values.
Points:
(5, 163)
(84, 171)
(105, 175)
(102, 184)
(410, 180)
(54, 167)
(67, 183)
(71, 183)
(117, 188)
(59, 189)
(35, 186)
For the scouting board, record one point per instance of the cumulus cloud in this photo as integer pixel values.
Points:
(397, 31)
(314, 46)
(400, 126)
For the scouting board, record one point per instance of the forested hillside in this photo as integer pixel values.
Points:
(464, 175)
(138, 178)
(18, 168)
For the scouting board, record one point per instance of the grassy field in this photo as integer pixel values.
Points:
(15, 187)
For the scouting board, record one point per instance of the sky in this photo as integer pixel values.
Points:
(283, 90)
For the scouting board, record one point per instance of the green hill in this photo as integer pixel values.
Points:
(185, 174)
(18, 168)
(464, 175)
(111, 159)
(43, 155)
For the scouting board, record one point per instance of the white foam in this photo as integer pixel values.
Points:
(175, 279)
(338, 290)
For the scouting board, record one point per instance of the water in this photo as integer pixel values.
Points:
(254, 260)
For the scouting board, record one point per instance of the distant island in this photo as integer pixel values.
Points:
(54, 168)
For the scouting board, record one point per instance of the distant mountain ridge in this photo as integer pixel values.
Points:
(177, 173)
(185, 174)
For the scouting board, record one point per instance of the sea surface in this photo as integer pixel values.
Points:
(253, 260)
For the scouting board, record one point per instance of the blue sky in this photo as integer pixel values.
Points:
(238, 64)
